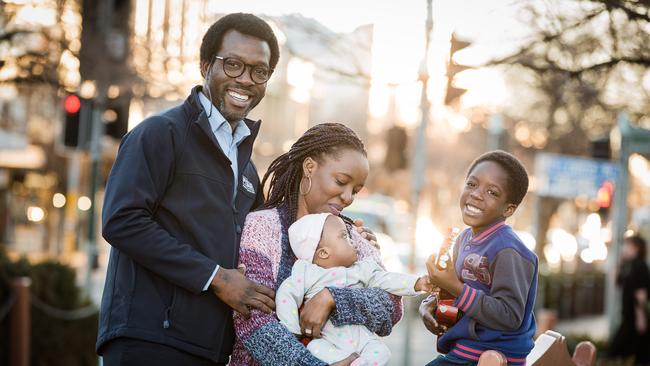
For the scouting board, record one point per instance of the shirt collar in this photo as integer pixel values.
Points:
(219, 124)
(487, 232)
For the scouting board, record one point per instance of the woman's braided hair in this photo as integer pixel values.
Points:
(285, 172)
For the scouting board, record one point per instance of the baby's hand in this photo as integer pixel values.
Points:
(423, 284)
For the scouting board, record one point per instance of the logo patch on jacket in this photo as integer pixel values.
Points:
(247, 185)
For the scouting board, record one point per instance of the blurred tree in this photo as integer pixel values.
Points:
(39, 42)
(584, 63)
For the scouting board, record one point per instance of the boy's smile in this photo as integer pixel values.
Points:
(484, 198)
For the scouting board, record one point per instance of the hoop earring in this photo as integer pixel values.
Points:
(308, 188)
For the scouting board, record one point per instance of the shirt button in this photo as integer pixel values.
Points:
(238, 229)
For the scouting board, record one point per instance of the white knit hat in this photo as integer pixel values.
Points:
(305, 233)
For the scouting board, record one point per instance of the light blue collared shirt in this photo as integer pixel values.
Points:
(228, 141)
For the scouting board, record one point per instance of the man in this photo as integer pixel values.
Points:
(175, 204)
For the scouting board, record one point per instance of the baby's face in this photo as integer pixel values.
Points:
(335, 236)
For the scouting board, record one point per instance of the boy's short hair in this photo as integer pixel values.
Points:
(244, 23)
(515, 170)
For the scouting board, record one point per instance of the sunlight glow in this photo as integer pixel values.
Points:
(427, 237)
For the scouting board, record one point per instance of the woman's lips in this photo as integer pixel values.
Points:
(335, 209)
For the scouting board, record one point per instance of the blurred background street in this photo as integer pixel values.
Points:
(427, 85)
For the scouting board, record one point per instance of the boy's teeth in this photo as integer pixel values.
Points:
(473, 209)
(238, 96)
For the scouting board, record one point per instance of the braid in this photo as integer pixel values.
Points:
(285, 172)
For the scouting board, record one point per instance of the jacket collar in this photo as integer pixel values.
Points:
(201, 118)
(486, 233)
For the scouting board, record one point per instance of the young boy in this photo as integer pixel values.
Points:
(326, 258)
(494, 278)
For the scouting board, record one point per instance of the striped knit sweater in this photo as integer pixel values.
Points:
(265, 251)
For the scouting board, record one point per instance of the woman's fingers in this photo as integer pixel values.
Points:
(311, 328)
(316, 329)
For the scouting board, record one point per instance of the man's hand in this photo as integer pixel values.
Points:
(315, 313)
(445, 279)
(423, 284)
(240, 293)
(426, 309)
(366, 233)
(347, 361)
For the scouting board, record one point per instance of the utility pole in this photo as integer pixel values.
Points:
(419, 171)
(103, 56)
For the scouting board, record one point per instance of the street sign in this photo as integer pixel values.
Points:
(570, 177)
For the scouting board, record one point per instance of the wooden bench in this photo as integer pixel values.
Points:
(550, 350)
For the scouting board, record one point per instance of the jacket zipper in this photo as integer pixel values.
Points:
(167, 323)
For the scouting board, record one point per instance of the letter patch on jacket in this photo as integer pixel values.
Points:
(247, 185)
(475, 268)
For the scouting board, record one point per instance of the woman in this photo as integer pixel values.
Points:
(322, 172)
(633, 336)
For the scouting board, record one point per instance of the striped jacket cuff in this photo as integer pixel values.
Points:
(466, 298)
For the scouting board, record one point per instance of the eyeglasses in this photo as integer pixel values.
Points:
(235, 68)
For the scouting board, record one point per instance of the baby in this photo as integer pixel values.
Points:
(326, 258)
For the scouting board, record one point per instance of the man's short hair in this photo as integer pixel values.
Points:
(516, 173)
(244, 23)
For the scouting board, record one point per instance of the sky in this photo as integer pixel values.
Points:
(494, 27)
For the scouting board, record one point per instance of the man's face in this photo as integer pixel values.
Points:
(235, 97)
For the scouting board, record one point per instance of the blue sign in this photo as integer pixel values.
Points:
(570, 177)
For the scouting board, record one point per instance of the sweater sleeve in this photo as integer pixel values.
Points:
(267, 341)
(373, 307)
(504, 309)
(143, 169)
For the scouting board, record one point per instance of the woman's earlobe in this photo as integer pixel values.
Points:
(308, 166)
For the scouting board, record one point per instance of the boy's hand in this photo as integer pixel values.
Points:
(426, 309)
(423, 284)
(445, 279)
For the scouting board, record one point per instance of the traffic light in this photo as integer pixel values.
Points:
(116, 117)
(76, 123)
(600, 149)
(604, 200)
(396, 140)
(454, 68)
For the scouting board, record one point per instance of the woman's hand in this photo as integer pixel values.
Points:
(445, 279)
(426, 309)
(347, 361)
(315, 313)
(366, 233)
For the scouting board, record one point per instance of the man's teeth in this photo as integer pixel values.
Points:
(238, 96)
(473, 209)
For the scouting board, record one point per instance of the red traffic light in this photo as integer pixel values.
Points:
(72, 104)
(605, 193)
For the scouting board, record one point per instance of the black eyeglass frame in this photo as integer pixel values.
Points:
(249, 66)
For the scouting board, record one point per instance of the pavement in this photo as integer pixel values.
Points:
(418, 348)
